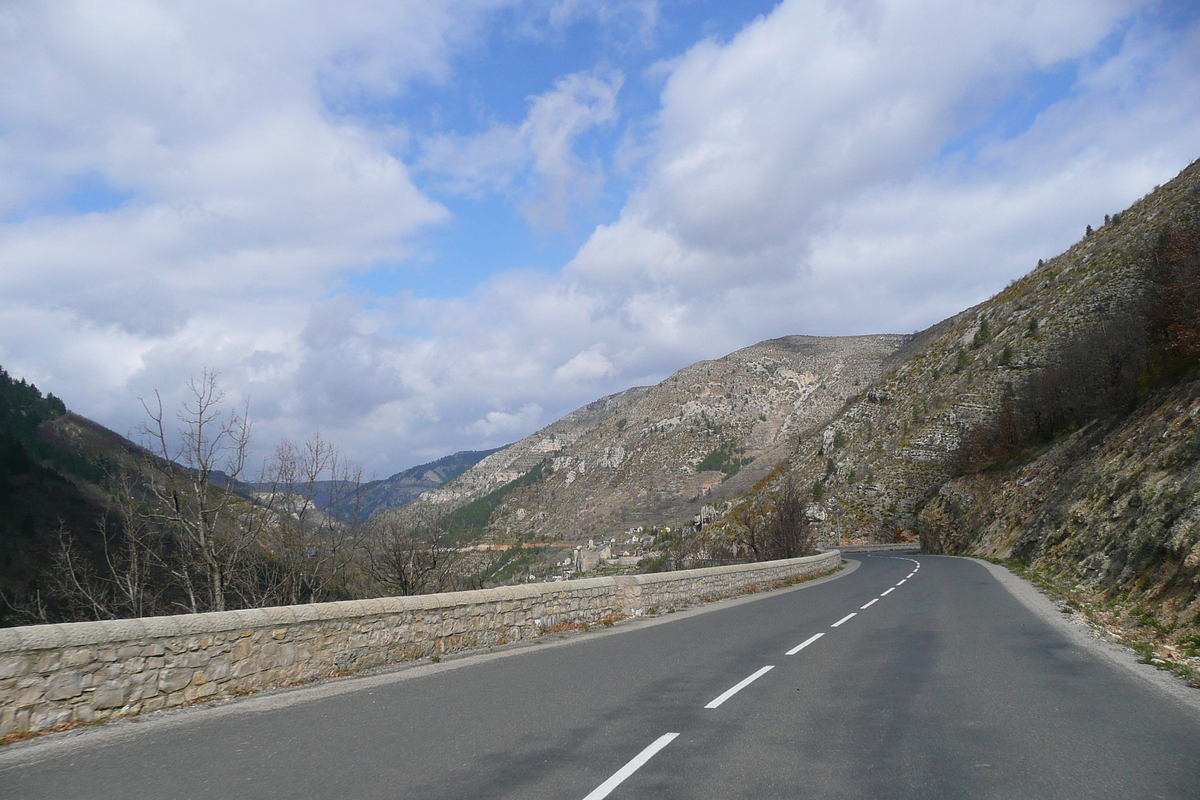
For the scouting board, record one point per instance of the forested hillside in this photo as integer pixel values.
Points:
(44, 491)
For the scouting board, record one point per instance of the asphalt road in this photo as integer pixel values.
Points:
(941, 684)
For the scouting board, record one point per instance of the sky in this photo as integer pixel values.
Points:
(422, 227)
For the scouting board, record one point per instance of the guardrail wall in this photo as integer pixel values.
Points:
(52, 675)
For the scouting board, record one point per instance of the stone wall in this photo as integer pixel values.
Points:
(53, 675)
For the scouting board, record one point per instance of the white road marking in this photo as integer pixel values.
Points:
(868, 605)
(604, 789)
(728, 693)
(804, 644)
(844, 619)
(909, 575)
(902, 582)
(889, 591)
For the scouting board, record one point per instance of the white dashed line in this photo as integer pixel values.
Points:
(728, 693)
(889, 591)
(604, 789)
(804, 644)
(901, 583)
(909, 575)
(846, 618)
(868, 605)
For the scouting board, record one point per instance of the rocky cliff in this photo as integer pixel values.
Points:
(656, 455)
(878, 461)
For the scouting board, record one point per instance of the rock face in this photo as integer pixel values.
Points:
(656, 455)
(896, 443)
(1111, 509)
(1116, 503)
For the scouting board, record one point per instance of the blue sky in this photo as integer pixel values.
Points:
(429, 226)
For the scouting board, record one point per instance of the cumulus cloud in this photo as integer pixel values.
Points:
(228, 194)
(834, 168)
(507, 426)
(585, 366)
(761, 143)
(535, 161)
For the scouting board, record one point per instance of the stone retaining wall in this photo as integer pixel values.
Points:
(86, 671)
(875, 548)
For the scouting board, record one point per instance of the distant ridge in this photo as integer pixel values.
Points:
(657, 455)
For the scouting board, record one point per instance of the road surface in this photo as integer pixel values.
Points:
(909, 677)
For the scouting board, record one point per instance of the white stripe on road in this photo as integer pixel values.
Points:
(624, 772)
(804, 644)
(844, 619)
(728, 693)
(889, 591)
(868, 605)
(902, 582)
(909, 575)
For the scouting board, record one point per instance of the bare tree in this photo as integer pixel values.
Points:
(315, 524)
(414, 558)
(196, 505)
(777, 526)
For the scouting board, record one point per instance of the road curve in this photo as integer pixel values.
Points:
(910, 677)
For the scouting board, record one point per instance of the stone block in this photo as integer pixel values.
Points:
(8, 720)
(29, 695)
(48, 662)
(12, 666)
(109, 696)
(244, 667)
(217, 670)
(78, 656)
(48, 714)
(172, 680)
(64, 686)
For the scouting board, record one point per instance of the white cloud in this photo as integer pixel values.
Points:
(586, 366)
(501, 426)
(543, 145)
(794, 181)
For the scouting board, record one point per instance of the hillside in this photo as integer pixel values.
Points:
(1053, 424)
(377, 496)
(50, 462)
(406, 486)
(655, 455)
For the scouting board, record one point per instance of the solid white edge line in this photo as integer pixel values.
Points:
(868, 605)
(889, 591)
(730, 692)
(844, 619)
(624, 772)
(804, 644)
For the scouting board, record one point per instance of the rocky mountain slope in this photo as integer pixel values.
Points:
(656, 455)
(1054, 424)
(378, 496)
(884, 455)
(406, 486)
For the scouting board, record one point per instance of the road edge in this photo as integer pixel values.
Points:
(1080, 635)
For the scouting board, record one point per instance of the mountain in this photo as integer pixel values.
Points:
(51, 464)
(1054, 425)
(656, 455)
(406, 486)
